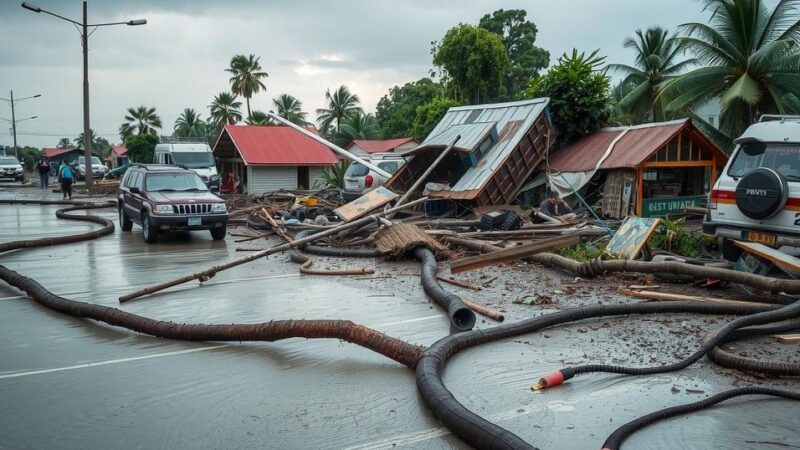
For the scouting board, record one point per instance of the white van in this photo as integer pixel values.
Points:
(196, 156)
(757, 195)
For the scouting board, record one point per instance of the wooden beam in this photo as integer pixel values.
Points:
(665, 296)
(701, 163)
(512, 253)
(788, 338)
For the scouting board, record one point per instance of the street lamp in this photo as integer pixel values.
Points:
(13, 120)
(83, 29)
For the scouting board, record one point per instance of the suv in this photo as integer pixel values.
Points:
(10, 168)
(166, 198)
(359, 179)
(99, 170)
(757, 195)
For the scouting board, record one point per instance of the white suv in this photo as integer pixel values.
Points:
(757, 196)
(359, 179)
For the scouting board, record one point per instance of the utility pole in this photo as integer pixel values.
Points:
(83, 28)
(14, 120)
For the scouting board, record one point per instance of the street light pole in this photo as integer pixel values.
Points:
(14, 125)
(84, 31)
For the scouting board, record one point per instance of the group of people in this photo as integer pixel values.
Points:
(66, 176)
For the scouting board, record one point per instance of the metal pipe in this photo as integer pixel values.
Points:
(330, 145)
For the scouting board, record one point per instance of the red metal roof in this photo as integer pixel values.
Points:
(55, 151)
(631, 151)
(387, 145)
(278, 145)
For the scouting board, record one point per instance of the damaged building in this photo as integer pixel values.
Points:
(500, 146)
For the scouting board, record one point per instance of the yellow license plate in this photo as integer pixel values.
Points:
(762, 238)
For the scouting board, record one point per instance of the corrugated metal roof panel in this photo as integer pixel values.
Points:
(380, 146)
(631, 151)
(278, 146)
(472, 134)
(512, 121)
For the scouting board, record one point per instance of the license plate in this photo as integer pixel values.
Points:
(762, 238)
(195, 221)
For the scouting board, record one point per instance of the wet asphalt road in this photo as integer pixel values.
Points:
(70, 383)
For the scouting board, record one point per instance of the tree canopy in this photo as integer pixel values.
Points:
(579, 94)
(474, 60)
(525, 59)
(290, 108)
(246, 76)
(341, 104)
(189, 124)
(141, 147)
(397, 110)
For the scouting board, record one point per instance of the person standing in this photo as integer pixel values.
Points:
(43, 167)
(66, 176)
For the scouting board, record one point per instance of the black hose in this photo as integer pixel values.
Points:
(461, 317)
(480, 432)
(783, 313)
(618, 437)
(725, 358)
(336, 251)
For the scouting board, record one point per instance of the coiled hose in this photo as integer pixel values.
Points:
(725, 358)
(617, 437)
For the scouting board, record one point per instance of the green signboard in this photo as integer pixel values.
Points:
(659, 207)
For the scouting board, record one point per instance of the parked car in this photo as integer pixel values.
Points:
(118, 172)
(99, 170)
(163, 198)
(757, 195)
(194, 155)
(11, 169)
(359, 179)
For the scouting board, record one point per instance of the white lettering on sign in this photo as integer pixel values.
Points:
(669, 205)
(757, 192)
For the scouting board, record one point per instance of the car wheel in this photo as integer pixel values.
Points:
(218, 233)
(149, 231)
(124, 222)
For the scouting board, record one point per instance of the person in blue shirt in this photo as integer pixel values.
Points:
(66, 176)
(557, 208)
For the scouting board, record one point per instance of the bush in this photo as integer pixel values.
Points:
(141, 147)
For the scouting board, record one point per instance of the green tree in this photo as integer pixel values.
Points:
(397, 109)
(79, 140)
(579, 94)
(357, 126)
(260, 118)
(143, 120)
(341, 104)
(474, 60)
(141, 147)
(64, 143)
(655, 63)
(751, 62)
(225, 109)
(333, 176)
(290, 108)
(189, 124)
(519, 36)
(428, 115)
(246, 77)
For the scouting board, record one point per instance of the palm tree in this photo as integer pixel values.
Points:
(655, 62)
(189, 124)
(260, 118)
(64, 143)
(126, 130)
(341, 104)
(752, 63)
(225, 109)
(246, 79)
(290, 108)
(143, 119)
(79, 140)
(357, 126)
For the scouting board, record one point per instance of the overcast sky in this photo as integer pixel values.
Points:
(178, 59)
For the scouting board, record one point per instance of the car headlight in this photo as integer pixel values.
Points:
(164, 209)
(219, 208)
(214, 177)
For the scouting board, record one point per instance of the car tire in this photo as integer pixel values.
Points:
(125, 222)
(219, 233)
(149, 231)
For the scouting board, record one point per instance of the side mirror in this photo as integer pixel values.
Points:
(135, 190)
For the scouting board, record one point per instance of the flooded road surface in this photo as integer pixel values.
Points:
(71, 383)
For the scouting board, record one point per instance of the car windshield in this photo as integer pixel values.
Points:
(174, 181)
(783, 158)
(95, 160)
(194, 160)
(6, 160)
(356, 170)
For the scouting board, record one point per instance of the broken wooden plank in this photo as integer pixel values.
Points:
(455, 282)
(787, 262)
(665, 296)
(484, 311)
(365, 204)
(785, 338)
(512, 253)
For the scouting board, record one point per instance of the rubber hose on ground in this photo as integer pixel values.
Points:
(336, 251)
(725, 358)
(482, 433)
(461, 317)
(618, 437)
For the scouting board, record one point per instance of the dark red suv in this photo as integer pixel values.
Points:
(165, 198)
